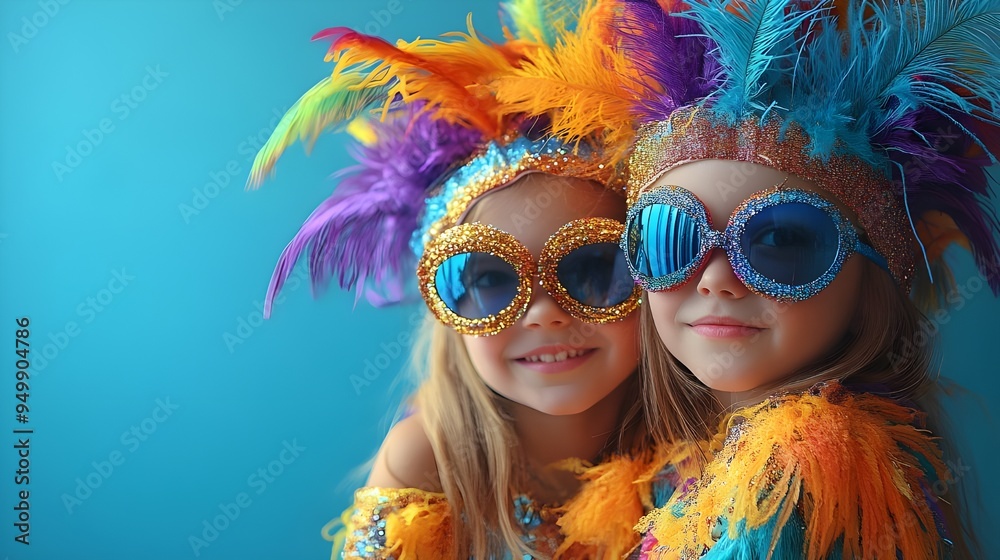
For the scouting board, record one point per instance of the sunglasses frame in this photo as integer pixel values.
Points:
(483, 238)
(729, 240)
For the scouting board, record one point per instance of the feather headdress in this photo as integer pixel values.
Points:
(436, 136)
(893, 106)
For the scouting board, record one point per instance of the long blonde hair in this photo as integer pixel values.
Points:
(476, 447)
(882, 351)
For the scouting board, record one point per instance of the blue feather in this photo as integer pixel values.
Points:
(756, 48)
(926, 54)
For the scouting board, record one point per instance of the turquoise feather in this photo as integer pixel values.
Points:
(755, 49)
(933, 48)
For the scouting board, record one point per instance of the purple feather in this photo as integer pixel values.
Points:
(945, 170)
(671, 52)
(363, 230)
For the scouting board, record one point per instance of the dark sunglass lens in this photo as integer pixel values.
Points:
(596, 275)
(662, 240)
(792, 243)
(476, 285)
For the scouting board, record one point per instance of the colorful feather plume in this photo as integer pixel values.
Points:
(838, 475)
(912, 87)
(370, 72)
(436, 72)
(361, 232)
(578, 80)
(670, 54)
(756, 43)
(324, 107)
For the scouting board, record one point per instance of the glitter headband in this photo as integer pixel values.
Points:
(498, 164)
(893, 107)
(440, 140)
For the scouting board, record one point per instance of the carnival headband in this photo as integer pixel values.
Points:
(499, 164)
(440, 141)
(893, 107)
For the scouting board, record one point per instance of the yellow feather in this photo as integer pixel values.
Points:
(446, 73)
(580, 81)
(847, 460)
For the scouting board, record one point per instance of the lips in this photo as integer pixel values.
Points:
(557, 357)
(719, 320)
(724, 327)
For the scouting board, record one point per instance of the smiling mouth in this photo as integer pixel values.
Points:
(556, 357)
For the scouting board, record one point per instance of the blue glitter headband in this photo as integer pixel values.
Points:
(497, 165)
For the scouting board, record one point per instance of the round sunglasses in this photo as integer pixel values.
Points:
(477, 279)
(783, 243)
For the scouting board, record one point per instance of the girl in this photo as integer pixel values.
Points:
(532, 345)
(779, 222)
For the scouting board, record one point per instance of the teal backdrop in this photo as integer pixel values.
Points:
(167, 421)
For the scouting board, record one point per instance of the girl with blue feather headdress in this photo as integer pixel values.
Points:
(797, 172)
(789, 224)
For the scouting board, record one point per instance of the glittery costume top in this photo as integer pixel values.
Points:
(407, 523)
(411, 524)
(827, 474)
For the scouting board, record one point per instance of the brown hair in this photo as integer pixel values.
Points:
(882, 351)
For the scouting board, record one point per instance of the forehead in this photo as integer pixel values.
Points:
(536, 205)
(722, 185)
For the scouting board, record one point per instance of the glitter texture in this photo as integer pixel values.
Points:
(366, 529)
(483, 238)
(729, 240)
(498, 164)
(476, 238)
(567, 239)
(688, 136)
(366, 536)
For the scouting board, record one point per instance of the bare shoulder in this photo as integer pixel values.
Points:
(406, 458)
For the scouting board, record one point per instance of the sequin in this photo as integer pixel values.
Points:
(483, 238)
(730, 240)
(367, 539)
(499, 164)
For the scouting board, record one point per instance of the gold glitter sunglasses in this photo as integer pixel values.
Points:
(477, 279)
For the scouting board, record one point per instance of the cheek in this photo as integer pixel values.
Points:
(663, 308)
(624, 338)
(485, 353)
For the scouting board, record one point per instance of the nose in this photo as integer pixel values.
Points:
(718, 279)
(544, 312)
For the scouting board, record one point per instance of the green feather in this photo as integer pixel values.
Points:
(540, 20)
(325, 106)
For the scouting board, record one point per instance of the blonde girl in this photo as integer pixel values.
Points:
(530, 347)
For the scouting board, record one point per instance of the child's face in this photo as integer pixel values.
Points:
(509, 362)
(731, 339)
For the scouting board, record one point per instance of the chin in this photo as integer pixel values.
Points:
(730, 384)
(562, 408)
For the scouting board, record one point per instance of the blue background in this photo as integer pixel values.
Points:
(142, 264)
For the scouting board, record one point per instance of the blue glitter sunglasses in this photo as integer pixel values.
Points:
(783, 243)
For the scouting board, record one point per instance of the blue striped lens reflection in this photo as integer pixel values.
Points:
(662, 239)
